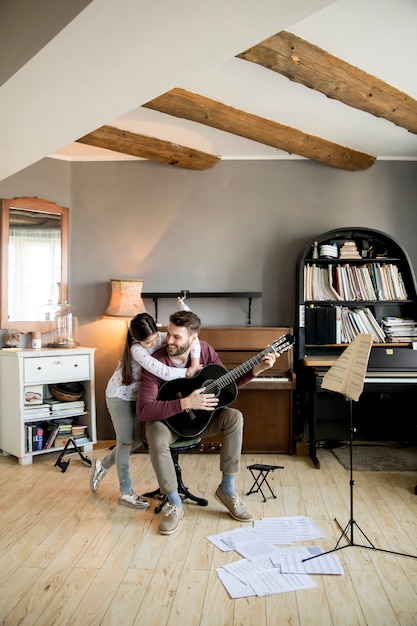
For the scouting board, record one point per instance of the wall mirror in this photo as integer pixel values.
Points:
(34, 262)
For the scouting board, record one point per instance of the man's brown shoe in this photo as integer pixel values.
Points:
(234, 505)
(171, 519)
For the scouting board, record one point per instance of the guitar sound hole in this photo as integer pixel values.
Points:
(213, 387)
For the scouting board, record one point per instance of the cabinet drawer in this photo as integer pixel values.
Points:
(57, 369)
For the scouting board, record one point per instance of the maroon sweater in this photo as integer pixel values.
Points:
(149, 409)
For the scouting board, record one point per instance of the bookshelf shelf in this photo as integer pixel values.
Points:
(249, 295)
(379, 279)
(338, 298)
(36, 370)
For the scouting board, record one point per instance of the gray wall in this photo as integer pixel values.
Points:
(238, 227)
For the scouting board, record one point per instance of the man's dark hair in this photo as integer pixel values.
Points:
(186, 318)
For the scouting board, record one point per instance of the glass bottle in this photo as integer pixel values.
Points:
(64, 325)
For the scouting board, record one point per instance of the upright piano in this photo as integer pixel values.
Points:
(385, 410)
(267, 401)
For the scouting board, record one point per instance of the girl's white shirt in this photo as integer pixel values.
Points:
(142, 358)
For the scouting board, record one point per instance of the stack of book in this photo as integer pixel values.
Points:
(33, 412)
(399, 329)
(64, 432)
(349, 250)
(79, 434)
(66, 409)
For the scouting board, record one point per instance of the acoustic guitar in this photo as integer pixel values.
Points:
(216, 379)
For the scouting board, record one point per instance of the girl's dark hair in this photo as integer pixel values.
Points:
(141, 327)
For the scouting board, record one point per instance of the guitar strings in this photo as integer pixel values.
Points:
(283, 344)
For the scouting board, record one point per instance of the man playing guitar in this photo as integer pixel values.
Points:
(156, 411)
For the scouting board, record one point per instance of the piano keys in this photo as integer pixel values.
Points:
(267, 401)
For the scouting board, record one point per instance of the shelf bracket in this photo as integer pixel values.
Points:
(186, 294)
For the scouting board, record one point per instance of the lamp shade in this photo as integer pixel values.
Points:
(126, 299)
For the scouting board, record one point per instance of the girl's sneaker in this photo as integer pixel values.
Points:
(134, 500)
(97, 474)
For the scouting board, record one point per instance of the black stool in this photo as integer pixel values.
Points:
(261, 478)
(178, 447)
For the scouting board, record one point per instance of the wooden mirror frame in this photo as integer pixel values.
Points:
(32, 204)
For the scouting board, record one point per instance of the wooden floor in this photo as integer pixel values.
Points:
(70, 557)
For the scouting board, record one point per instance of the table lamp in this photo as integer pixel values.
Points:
(126, 299)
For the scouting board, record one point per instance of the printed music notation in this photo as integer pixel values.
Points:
(347, 375)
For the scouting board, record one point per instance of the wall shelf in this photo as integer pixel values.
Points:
(184, 293)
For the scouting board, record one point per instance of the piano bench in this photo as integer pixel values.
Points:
(262, 477)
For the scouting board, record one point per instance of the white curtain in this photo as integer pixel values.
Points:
(34, 271)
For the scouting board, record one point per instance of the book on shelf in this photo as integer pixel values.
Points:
(78, 429)
(52, 431)
(357, 321)
(33, 394)
(34, 437)
(349, 250)
(37, 437)
(334, 324)
(36, 411)
(71, 408)
(61, 440)
(322, 324)
(65, 429)
(399, 329)
(81, 440)
(29, 440)
(349, 282)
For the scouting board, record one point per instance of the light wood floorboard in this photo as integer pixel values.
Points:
(70, 558)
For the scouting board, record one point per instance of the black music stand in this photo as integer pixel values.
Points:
(358, 350)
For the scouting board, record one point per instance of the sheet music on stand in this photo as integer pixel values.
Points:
(347, 375)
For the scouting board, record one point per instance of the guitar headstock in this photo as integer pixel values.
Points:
(282, 344)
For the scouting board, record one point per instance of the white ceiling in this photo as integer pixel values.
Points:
(116, 55)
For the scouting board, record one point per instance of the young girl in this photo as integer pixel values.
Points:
(142, 339)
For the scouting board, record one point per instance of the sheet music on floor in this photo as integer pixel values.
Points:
(283, 530)
(267, 569)
(326, 564)
(268, 575)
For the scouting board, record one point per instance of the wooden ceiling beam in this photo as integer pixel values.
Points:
(190, 106)
(112, 138)
(313, 67)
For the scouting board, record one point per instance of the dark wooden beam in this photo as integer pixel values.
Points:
(313, 67)
(191, 106)
(124, 141)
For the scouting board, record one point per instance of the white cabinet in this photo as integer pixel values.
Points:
(26, 370)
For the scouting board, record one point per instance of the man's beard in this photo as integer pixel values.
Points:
(177, 350)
